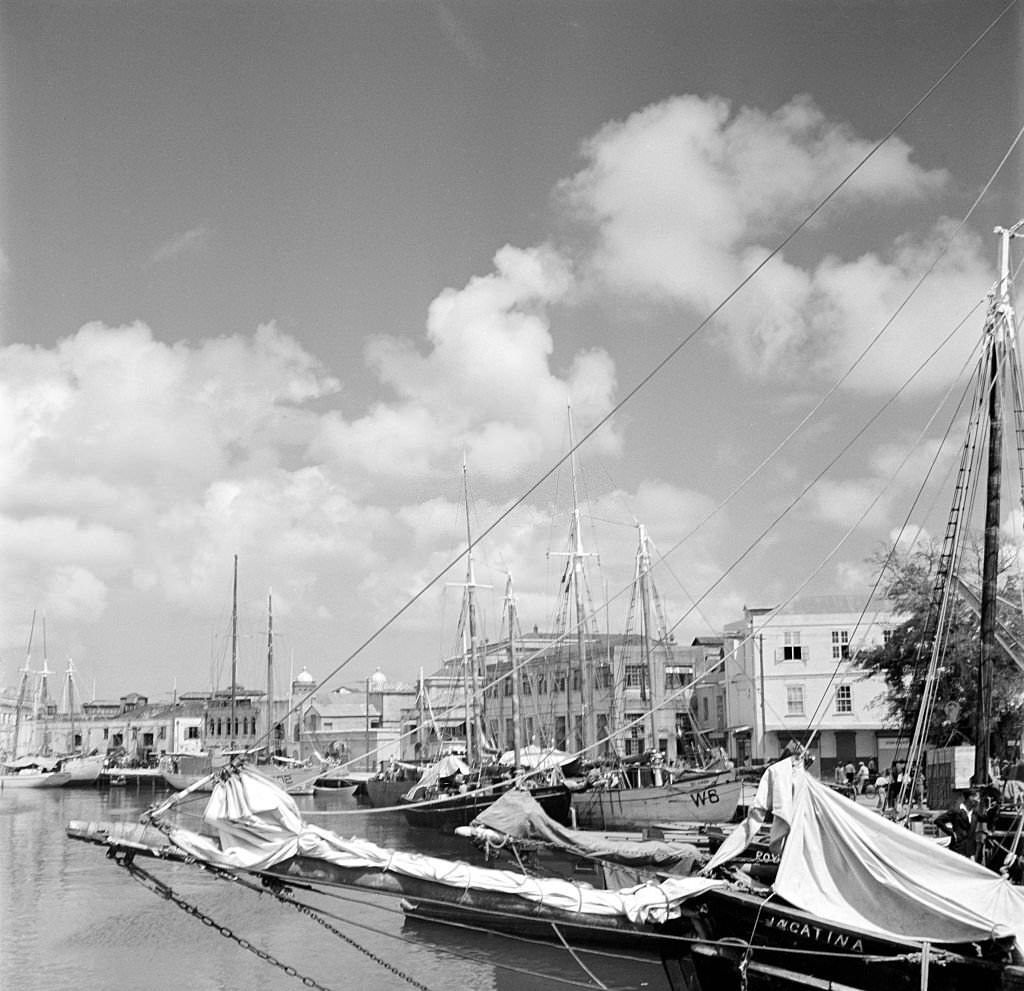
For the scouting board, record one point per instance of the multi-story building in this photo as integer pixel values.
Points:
(638, 698)
(789, 677)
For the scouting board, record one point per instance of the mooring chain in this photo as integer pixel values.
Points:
(155, 884)
(278, 890)
(280, 893)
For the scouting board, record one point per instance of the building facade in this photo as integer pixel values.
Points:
(789, 677)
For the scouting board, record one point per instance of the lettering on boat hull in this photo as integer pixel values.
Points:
(814, 933)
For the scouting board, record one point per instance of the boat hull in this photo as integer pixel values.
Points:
(294, 780)
(448, 813)
(713, 799)
(84, 770)
(785, 937)
(384, 794)
(27, 779)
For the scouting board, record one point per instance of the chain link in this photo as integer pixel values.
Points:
(280, 893)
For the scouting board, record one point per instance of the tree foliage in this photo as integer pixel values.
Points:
(908, 578)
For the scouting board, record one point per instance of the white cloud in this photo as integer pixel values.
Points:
(688, 196)
(483, 384)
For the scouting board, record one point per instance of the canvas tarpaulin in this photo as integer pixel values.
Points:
(258, 826)
(518, 814)
(846, 864)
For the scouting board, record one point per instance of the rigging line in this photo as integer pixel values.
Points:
(935, 458)
(643, 382)
(851, 530)
(695, 607)
(849, 371)
(817, 478)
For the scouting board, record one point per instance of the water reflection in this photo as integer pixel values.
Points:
(73, 918)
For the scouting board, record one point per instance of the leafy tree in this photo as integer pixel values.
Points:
(908, 578)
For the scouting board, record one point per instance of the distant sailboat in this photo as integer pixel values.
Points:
(196, 771)
(29, 770)
(85, 769)
(661, 796)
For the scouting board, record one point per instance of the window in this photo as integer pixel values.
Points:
(705, 711)
(840, 645)
(886, 636)
(844, 698)
(719, 712)
(635, 743)
(791, 649)
(794, 700)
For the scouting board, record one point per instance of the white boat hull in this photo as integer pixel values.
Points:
(701, 800)
(83, 770)
(34, 779)
(294, 780)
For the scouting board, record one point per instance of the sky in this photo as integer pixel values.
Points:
(282, 280)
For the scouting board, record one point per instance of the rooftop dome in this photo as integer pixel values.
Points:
(305, 678)
(378, 680)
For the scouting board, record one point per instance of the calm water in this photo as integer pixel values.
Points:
(73, 919)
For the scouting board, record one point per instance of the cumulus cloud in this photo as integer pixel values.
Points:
(687, 197)
(481, 383)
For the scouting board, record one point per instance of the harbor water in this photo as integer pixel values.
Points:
(72, 918)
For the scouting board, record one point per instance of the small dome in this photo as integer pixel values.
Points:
(305, 678)
(378, 680)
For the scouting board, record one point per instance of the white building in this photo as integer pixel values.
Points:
(790, 674)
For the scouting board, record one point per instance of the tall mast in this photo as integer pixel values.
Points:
(270, 671)
(234, 647)
(578, 582)
(513, 657)
(1000, 330)
(22, 689)
(69, 681)
(42, 702)
(474, 728)
(650, 668)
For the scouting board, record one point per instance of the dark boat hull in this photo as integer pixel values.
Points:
(783, 938)
(448, 813)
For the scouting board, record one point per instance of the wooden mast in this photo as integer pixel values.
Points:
(234, 648)
(513, 657)
(22, 689)
(270, 672)
(650, 667)
(1000, 346)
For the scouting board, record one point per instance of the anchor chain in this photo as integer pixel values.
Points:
(279, 892)
(165, 891)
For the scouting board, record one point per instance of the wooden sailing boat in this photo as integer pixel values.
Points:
(859, 901)
(85, 769)
(846, 875)
(196, 771)
(454, 795)
(33, 768)
(661, 796)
